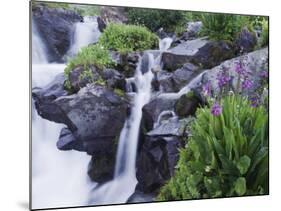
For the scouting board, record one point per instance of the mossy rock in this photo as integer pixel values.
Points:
(187, 104)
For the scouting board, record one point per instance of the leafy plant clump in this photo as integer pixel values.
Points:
(227, 154)
(156, 19)
(95, 55)
(264, 34)
(223, 26)
(127, 38)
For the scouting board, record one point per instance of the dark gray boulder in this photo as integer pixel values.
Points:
(55, 27)
(113, 14)
(95, 115)
(125, 63)
(159, 154)
(101, 24)
(192, 31)
(67, 141)
(152, 110)
(101, 167)
(200, 52)
(176, 57)
(187, 104)
(246, 41)
(213, 53)
(174, 81)
(44, 98)
(255, 61)
(78, 79)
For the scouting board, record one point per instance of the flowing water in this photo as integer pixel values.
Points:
(85, 33)
(124, 182)
(59, 178)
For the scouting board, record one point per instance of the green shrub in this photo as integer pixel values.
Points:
(223, 26)
(227, 155)
(264, 34)
(155, 19)
(95, 55)
(127, 38)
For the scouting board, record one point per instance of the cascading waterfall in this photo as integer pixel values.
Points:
(38, 48)
(124, 182)
(59, 179)
(85, 33)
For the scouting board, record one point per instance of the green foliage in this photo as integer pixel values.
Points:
(86, 10)
(119, 92)
(94, 55)
(264, 34)
(227, 155)
(155, 19)
(223, 26)
(83, 10)
(127, 38)
(54, 5)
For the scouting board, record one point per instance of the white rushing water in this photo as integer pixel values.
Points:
(59, 179)
(124, 182)
(85, 33)
(39, 55)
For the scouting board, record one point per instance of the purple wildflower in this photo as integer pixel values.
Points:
(207, 89)
(223, 79)
(247, 84)
(239, 69)
(263, 74)
(216, 109)
(254, 101)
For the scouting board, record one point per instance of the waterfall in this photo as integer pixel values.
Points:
(85, 33)
(59, 178)
(124, 182)
(38, 48)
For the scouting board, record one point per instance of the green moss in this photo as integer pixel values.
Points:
(100, 82)
(119, 92)
(93, 55)
(127, 38)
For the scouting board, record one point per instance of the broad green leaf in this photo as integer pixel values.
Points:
(240, 186)
(243, 164)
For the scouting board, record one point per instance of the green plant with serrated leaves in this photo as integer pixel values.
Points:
(227, 154)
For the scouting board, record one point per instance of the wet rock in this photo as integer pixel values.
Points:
(55, 26)
(152, 110)
(176, 57)
(113, 14)
(125, 63)
(192, 31)
(114, 79)
(213, 53)
(200, 52)
(101, 24)
(174, 81)
(256, 61)
(246, 40)
(95, 115)
(101, 167)
(187, 104)
(159, 154)
(44, 97)
(78, 79)
(67, 141)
